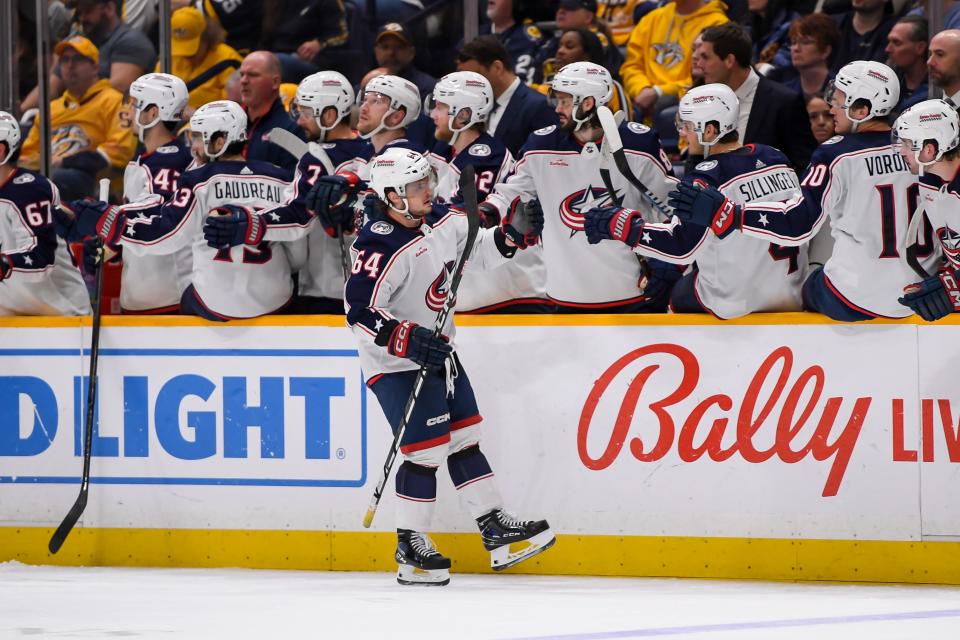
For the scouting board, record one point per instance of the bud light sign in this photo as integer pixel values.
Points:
(186, 416)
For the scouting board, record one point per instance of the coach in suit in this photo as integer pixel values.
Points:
(518, 110)
(770, 113)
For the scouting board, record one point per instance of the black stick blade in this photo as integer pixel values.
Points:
(60, 535)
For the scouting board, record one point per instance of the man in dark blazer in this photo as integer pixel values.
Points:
(518, 110)
(770, 113)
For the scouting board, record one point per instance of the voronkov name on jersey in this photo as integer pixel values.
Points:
(246, 190)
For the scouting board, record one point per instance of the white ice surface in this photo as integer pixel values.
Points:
(60, 602)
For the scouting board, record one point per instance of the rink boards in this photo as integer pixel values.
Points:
(778, 446)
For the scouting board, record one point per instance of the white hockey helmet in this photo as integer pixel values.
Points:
(583, 80)
(169, 94)
(9, 134)
(709, 103)
(402, 93)
(464, 90)
(867, 80)
(221, 116)
(930, 120)
(320, 91)
(395, 169)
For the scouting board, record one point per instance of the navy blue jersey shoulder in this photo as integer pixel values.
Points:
(25, 187)
(341, 151)
(639, 137)
(724, 167)
(403, 143)
(551, 138)
(381, 234)
(837, 146)
(175, 155)
(485, 153)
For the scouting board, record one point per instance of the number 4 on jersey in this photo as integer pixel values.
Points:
(371, 265)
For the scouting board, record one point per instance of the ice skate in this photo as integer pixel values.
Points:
(510, 540)
(419, 560)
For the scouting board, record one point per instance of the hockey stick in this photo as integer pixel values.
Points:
(913, 239)
(298, 148)
(60, 535)
(468, 188)
(613, 142)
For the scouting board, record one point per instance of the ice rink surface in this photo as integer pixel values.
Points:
(68, 602)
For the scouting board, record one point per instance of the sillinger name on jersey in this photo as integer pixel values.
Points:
(768, 184)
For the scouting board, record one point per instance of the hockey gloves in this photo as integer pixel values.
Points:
(658, 280)
(489, 215)
(410, 340)
(524, 223)
(613, 223)
(6, 266)
(231, 226)
(704, 206)
(935, 297)
(111, 224)
(332, 199)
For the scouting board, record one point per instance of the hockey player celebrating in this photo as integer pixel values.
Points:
(322, 107)
(561, 166)
(150, 283)
(37, 276)
(927, 135)
(733, 277)
(227, 282)
(857, 180)
(403, 259)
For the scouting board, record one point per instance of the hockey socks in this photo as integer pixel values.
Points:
(417, 493)
(473, 478)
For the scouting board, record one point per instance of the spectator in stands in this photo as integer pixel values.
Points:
(583, 45)
(87, 136)
(232, 88)
(620, 17)
(395, 51)
(822, 123)
(242, 20)
(200, 58)
(260, 96)
(125, 53)
(575, 14)
(660, 50)
(522, 39)
(907, 55)
(863, 33)
(770, 31)
(812, 41)
(518, 110)
(305, 28)
(944, 63)
(770, 113)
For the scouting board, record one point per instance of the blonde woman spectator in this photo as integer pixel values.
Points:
(200, 57)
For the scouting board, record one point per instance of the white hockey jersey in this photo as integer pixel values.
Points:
(404, 274)
(941, 204)
(865, 187)
(44, 280)
(565, 176)
(152, 282)
(240, 282)
(738, 274)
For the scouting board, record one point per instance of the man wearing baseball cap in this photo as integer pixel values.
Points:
(86, 134)
(575, 14)
(395, 50)
(200, 57)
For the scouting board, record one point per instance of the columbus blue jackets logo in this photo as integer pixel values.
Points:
(575, 205)
(950, 241)
(437, 293)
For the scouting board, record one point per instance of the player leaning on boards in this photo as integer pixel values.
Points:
(928, 137)
(149, 283)
(322, 108)
(731, 277)
(37, 276)
(562, 167)
(856, 179)
(226, 283)
(403, 259)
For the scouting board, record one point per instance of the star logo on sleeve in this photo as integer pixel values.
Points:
(27, 260)
(378, 325)
(275, 216)
(646, 237)
(763, 219)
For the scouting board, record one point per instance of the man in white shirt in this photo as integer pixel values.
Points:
(782, 122)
